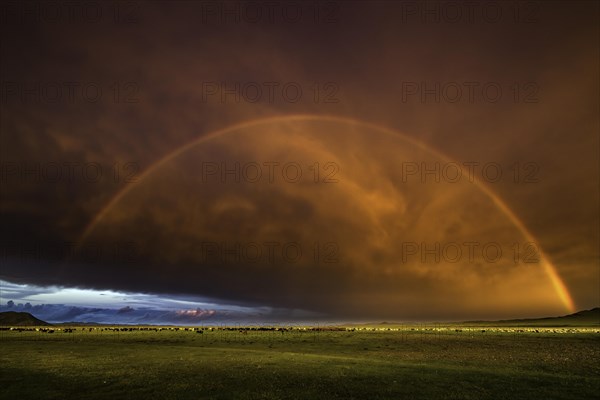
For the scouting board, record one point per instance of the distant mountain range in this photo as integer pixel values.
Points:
(590, 318)
(581, 318)
(13, 318)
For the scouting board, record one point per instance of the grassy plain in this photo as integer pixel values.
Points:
(368, 363)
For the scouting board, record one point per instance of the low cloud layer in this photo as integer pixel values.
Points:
(63, 305)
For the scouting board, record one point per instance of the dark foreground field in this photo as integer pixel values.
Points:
(297, 364)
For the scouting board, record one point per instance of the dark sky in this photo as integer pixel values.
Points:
(119, 122)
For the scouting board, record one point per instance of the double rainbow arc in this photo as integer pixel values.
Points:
(550, 270)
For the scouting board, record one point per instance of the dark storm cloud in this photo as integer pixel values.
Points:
(164, 72)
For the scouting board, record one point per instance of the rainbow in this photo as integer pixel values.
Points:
(550, 270)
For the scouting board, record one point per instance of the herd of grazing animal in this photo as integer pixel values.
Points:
(283, 330)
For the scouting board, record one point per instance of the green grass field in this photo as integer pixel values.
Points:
(363, 364)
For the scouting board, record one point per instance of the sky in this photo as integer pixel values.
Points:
(184, 162)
